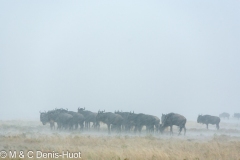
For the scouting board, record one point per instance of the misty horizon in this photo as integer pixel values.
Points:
(147, 57)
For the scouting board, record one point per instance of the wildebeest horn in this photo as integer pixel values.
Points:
(84, 108)
(104, 110)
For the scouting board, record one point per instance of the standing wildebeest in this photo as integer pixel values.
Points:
(89, 117)
(78, 119)
(236, 115)
(126, 124)
(45, 119)
(207, 119)
(62, 117)
(171, 119)
(224, 115)
(110, 119)
(140, 120)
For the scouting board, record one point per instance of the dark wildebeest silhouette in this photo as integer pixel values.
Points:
(78, 119)
(171, 119)
(127, 125)
(208, 119)
(110, 119)
(89, 117)
(66, 119)
(236, 115)
(140, 120)
(224, 115)
(45, 119)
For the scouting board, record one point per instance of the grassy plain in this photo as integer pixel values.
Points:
(198, 143)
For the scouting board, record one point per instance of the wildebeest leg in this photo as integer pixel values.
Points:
(81, 126)
(58, 126)
(184, 130)
(171, 132)
(108, 125)
(140, 129)
(217, 125)
(52, 125)
(86, 125)
(119, 128)
(89, 125)
(207, 126)
(180, 130)
(135, 129)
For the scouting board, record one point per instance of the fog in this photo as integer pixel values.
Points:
(149, 57)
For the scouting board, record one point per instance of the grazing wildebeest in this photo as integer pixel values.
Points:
(208, 119)
(140, 120)
(236, 115)
(89, 117)
(224, 115)
(110, 119)
(171, 119)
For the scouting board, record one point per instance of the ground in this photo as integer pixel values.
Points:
(199, 143)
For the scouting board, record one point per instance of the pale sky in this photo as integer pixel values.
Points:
(149, 57)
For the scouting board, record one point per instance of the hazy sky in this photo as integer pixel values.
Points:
(150, 57)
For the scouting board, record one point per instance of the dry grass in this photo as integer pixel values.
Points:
(120, 147)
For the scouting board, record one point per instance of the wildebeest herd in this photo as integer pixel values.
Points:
(122, 121)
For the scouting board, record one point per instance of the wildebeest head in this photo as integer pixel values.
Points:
(81, 109)
(199, 119)
(43, 118)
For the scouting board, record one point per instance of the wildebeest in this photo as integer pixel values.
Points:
(224, 115)
(45, 119)
(64, 118)
(127, 125)
(78, 119)
(140, 120)
(236, 115)
(208, 119)
(171, 119)
(110, 119)
(89, 117)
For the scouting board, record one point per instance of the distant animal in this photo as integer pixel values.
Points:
(78, 119)
(208, 119)
(127, 125)
(110, 119)
(224, 115)
(171, 119)
(236, 115)
(140, 120)
(64, 120)
(89, 117)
